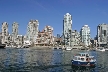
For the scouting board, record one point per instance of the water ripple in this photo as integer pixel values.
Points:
(32, 60)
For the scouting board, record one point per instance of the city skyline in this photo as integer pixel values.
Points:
(47, 15)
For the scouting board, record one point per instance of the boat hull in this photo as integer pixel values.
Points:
(106, 49)
(2, 46)
(101, 50)
(78, 63)
(68, 49)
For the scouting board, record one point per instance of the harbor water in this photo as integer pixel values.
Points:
(32, 60)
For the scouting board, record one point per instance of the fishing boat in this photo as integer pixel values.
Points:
(83, 59)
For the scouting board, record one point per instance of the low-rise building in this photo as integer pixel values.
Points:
(45, 38)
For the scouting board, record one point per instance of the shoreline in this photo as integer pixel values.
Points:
(47, 48)
(41, 47)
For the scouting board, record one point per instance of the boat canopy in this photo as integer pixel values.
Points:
(82, 54)
(80, 58)
(83, 58)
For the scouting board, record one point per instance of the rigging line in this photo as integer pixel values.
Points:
(58, 12)
(101, 10)
(46, 8)
(69, 1)
(37, 3)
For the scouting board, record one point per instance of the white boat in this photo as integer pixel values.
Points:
(7, 46)
(106, 49)
(100, 49)
(19, 46)
(83, 59)
(68, 48)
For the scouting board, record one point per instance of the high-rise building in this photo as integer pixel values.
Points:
(0, 38)
(102, 34)
(4, 32)
(67, 29)
(14, 31)
(32, 30)
(85, 35)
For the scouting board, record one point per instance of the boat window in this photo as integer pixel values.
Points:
(75, 58)
(83, 54)
(101, 48)
(79, 54)
(92, 58)
(82, 59)
(89, 58)
(86, 55)
(78, 58)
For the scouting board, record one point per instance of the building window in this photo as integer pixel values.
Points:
(104, 32)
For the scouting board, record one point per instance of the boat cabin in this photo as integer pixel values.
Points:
(83, 59)
(83, 54)
(78, 58)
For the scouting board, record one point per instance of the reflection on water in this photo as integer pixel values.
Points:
(7, 60)
(32, 60)
(57, 57)
(56, 61)
(102, 61)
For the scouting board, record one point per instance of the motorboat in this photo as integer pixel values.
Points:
(106, 49)
(100, 49)
(83, 60)
(68, 48)
(2, 46)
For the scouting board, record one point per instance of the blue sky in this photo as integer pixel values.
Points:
(51, 12)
